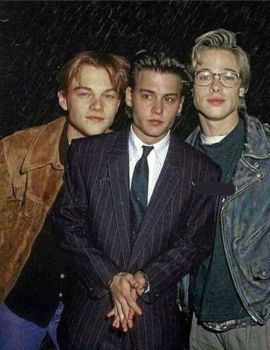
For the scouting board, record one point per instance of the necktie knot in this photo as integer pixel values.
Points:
(146, 151)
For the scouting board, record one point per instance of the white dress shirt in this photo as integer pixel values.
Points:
(155, 159)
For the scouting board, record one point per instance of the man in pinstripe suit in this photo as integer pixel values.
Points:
(125, 297)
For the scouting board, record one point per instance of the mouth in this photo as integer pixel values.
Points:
(216, 101)
(155, 122)
(95, 119)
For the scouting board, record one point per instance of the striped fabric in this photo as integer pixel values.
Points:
(92, 218)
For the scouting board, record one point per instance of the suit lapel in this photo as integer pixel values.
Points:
(168, 179)
(118, 165)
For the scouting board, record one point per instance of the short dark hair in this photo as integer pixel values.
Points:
(159, 61)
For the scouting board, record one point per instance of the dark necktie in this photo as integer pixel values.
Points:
(139, 190)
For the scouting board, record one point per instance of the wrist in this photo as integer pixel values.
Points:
(146, 287)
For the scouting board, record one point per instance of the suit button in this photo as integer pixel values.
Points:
(60, 295)
(134, 234)
(62, 275)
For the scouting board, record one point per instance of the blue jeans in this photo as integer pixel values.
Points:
(16, 333)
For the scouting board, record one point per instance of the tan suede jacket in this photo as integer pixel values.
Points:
(30, 178)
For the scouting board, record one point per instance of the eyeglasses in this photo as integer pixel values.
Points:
(227, 79)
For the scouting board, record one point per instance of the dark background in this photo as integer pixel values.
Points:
(38, 37)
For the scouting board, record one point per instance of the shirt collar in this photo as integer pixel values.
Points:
(160, 148)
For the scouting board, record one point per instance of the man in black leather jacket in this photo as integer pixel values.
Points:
(230, 291)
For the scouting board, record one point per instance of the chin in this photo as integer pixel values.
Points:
(214, 116)
(96, 131)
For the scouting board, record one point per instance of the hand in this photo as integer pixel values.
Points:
(120, 320)
(123, 290)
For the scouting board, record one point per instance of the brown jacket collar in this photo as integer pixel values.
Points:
(45, 140)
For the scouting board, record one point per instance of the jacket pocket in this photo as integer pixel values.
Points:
(255, 236)
(261, 269)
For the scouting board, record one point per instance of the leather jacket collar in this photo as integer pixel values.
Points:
(42, 150)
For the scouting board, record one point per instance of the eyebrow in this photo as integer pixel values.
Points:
(89, 89)
(153, 92)
(225, 69)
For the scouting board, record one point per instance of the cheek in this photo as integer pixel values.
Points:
(140, 108)
(76, 106)
(197, 100)
(110, 109)
(171, 111)
(233, 98)
(197, 95)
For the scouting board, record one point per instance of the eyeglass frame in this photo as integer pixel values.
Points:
(219, 77)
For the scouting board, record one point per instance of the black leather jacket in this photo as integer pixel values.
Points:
(245, 221)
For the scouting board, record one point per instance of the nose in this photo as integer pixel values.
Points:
(215, 85)
(95, 103)
(157, 106)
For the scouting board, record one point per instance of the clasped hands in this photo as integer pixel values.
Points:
(125, 289)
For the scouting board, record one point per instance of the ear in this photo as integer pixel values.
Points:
(128, 97)
(181, 105)
(62, 100)
(242, 92)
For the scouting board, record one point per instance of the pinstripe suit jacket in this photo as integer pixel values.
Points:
(92, 218)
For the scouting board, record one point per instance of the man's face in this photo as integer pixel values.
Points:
(91, 101)
(216, 102)
(155, 101)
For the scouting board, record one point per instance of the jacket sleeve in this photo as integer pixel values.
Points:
(5, 179)
(9, 209)
(69, 215)
(6, 190)
(189, 248)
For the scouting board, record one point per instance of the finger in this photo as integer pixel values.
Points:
(116, 320)
(118, 308)
(123, 310)
(130, 318)
(131, 280)
(124, 323)
(132, 304)
(139, 290)
(122, 304)
(120, 320)
(124, 320)
(131, 314)
(111, 313)
(131, 311)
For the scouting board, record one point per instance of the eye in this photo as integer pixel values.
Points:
(170, 99)
(204, 76)
(84, 94)
(146, 96)
(229, 76)
(109, 96)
